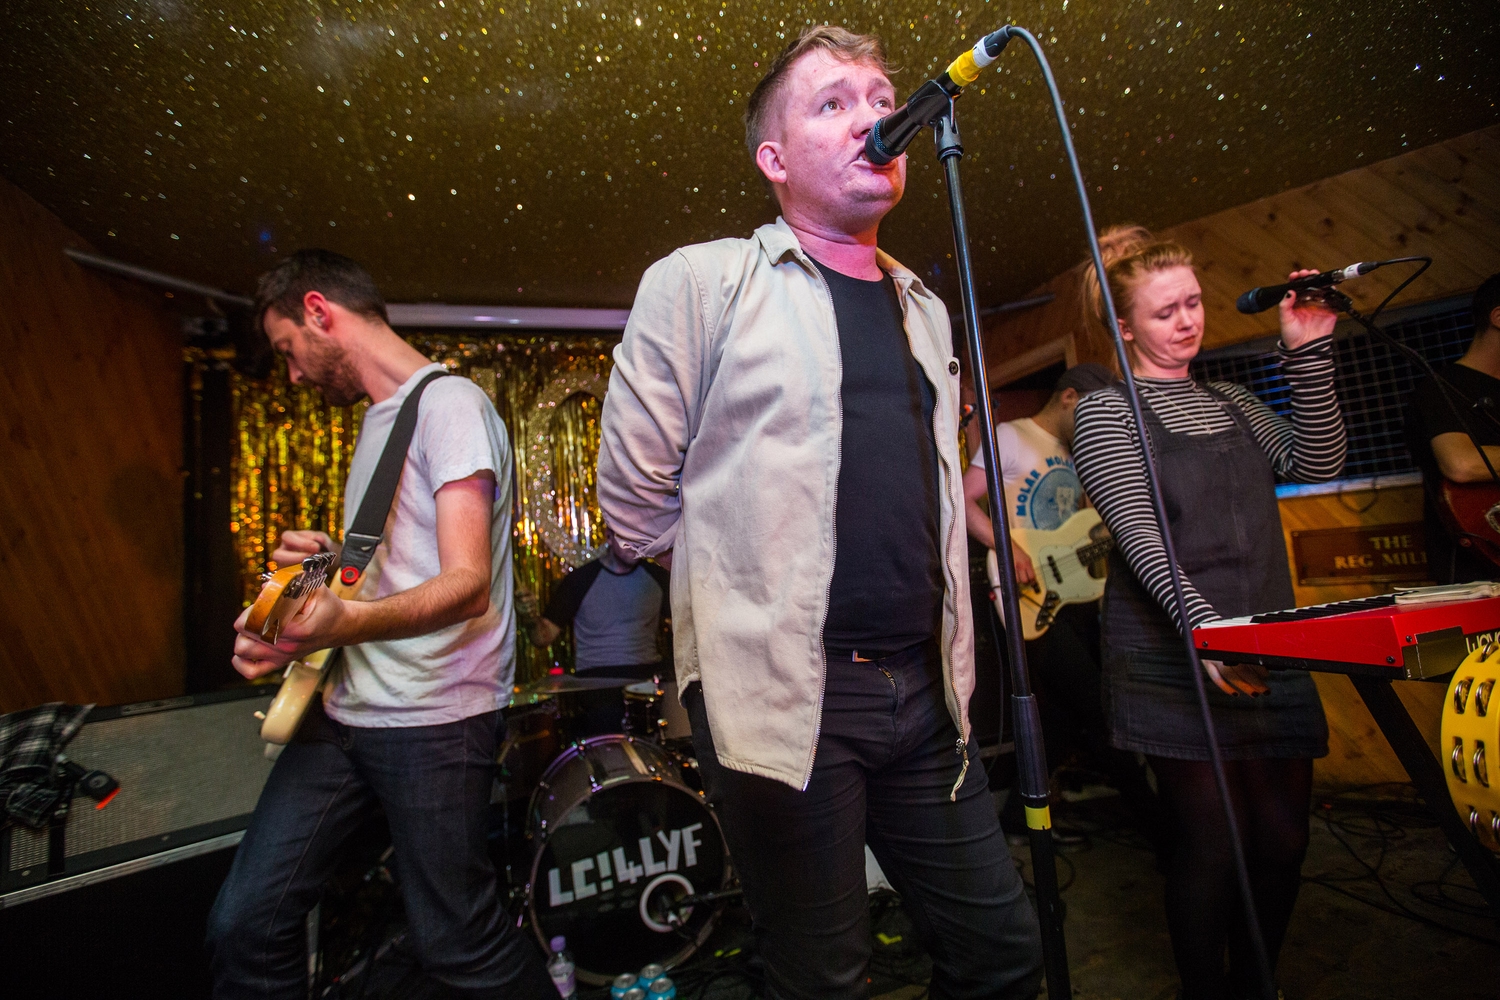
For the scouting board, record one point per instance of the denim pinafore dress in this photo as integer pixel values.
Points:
(1220, 496)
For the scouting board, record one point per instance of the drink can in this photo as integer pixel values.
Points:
(623, 984)
(634, 993)
(651, 974)
(663, 988)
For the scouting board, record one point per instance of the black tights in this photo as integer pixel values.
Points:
(1204, 913)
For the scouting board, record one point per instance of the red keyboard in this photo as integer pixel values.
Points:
(1376, 636)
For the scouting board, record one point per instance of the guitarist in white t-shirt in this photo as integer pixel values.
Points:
(411, 718)
(1043, 492)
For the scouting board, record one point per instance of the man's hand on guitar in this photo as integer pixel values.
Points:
(320, 624)
(296, 546)
(1025, 569)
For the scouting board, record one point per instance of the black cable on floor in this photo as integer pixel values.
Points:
(1387, 821)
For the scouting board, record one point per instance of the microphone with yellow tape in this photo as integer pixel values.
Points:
(891, 135)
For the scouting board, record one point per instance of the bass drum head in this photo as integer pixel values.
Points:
(612, 863)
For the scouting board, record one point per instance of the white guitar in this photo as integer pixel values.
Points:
(1069, 563)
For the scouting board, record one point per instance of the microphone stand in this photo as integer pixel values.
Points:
(1031, 754)
(947, 133)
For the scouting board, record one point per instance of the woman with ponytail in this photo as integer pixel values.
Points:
(1219, 452)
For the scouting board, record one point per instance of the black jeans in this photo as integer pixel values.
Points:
(434, 784)
(886, 763)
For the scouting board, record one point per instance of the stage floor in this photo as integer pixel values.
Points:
(1349, 939)
(1338, 948)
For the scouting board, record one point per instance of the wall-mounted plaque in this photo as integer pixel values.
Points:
(1381, 553)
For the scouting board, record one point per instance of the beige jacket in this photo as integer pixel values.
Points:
(720, 441)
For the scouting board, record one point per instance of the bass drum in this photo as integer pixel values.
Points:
(620, 839)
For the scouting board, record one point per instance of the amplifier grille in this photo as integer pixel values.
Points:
(178, 768)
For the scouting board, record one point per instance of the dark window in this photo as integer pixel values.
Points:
(1373, 380)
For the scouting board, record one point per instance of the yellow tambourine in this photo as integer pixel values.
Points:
(1470, 741)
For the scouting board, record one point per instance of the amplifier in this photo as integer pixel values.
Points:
(190, 771)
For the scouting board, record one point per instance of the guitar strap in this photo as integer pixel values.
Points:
(364, 534)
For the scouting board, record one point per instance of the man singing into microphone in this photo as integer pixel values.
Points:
(781, 426)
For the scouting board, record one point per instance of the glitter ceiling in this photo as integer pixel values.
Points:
(544, 154)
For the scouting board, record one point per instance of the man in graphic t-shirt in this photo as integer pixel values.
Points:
(616, 604)
(1036, 467)
(1438, 425)
(1042, 492)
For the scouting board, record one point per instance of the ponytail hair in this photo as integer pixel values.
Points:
(1130, 254)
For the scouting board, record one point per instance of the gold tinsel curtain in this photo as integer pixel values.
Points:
(291, 457)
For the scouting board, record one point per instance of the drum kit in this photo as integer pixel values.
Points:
(625, 857)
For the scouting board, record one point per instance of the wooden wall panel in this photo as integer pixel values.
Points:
(91, 496)
(1442, 201)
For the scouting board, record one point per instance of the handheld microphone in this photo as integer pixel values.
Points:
(891, 135)
(1260, 299)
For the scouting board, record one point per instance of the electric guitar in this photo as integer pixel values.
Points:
(282, 597)
(1069, 568)
(1471, 511)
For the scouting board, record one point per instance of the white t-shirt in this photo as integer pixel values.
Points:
(1041, 488)
(464, 669)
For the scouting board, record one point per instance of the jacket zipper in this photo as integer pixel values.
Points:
(838, 450)
(962, 748)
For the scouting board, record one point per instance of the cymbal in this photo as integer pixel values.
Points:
(569, 684)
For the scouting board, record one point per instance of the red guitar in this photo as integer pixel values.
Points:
(1471, 512)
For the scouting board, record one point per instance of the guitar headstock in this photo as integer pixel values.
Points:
(284, 592)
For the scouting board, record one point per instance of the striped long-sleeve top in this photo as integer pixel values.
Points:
(1308, 448)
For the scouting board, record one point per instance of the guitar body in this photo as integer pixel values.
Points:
(1068, 568)
(1472, 512)
(299, 685)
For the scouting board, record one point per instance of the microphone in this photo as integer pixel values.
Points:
(1260, 299)
(893, 133)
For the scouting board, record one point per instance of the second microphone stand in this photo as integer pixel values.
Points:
(1031, 754)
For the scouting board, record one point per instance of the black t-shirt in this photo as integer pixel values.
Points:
(887, 591)
(1428, 415)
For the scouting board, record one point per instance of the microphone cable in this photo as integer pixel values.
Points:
(1457, 403)
(1237, 848)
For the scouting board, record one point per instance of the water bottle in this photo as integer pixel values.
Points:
(560, 968)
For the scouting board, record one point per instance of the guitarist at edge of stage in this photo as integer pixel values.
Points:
(1438, 439)
(1042, 492)
(411, 718)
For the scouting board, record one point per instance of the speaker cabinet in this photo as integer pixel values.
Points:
(190, 771)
